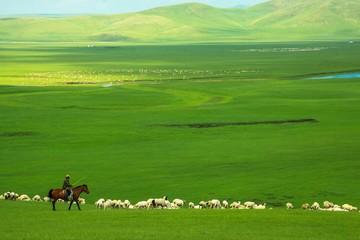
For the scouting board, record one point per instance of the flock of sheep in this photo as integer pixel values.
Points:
(14, 196)
(164, 203)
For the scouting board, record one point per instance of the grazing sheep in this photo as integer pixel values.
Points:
(160, 202)
(178, 202)
(36, 198)
(127, 204)
(289, 206)
(150, 203)
(24, 197)
(47, 199)
(81, 201)
(235, 205)
(2, 197)
(60, 200)
(305, 206)
(191, 205)
(202, 204)
(99, 204)
(214, 203)
(328, 205)
(225, 204)
(107, 204)
(348, 207)
(142, 204)
(249, 205)
(197, 207)
(315, 206)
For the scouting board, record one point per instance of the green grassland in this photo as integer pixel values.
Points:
(123, 139)
(173, 224)
(275, 20)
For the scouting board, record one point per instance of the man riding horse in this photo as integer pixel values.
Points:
(68, 193)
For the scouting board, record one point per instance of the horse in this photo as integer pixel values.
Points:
(55, 194)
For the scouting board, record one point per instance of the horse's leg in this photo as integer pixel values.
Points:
(53, 203)
(71, 204)
(77, 202)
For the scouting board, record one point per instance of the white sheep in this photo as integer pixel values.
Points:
(191, 205)
(160, 202)
(202, 204)
(225, 204)
(47, 199)
(289, 206)
(348, 207)
(81, 201)
(142, 204)
(24, 197)
(198, 207)
(214, 203)
(178, 202)
(36, 198)
(328, 205)
(315, 206)
(2, 197)
(305, 206)
(150, 203)
(127, 204)
(235, 205)
(107, 204)
(260, 206)
(249, 205)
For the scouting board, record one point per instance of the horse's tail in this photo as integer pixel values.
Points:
(50, 193)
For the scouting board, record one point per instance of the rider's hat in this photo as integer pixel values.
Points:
(67, 176)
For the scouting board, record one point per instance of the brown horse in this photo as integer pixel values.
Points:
(55, 194)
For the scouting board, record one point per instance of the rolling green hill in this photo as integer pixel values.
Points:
(273, 20)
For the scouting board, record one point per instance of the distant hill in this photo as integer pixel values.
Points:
(241, 6)
(272, 20)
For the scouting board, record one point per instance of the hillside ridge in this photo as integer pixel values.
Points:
(272, 20)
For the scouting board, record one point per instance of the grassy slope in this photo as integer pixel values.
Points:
(198, 22)
(110, 132)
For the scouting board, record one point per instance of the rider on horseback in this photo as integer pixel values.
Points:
(68, 193)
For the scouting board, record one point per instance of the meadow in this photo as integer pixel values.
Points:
(144, 121)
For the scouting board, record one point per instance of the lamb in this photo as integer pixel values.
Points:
(24, 197)
(191, 205)
(47, 199)
(315, 206)
(305, 206)
(289, 206)
(36, 198)
(249, 205)
(2, 197)
(180, 203)
(197, 207)
(142, 204)
(225, 204)
(160, 202)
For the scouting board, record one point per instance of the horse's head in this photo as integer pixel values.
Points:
(85, 189)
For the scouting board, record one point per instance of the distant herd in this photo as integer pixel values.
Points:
(164, 203)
